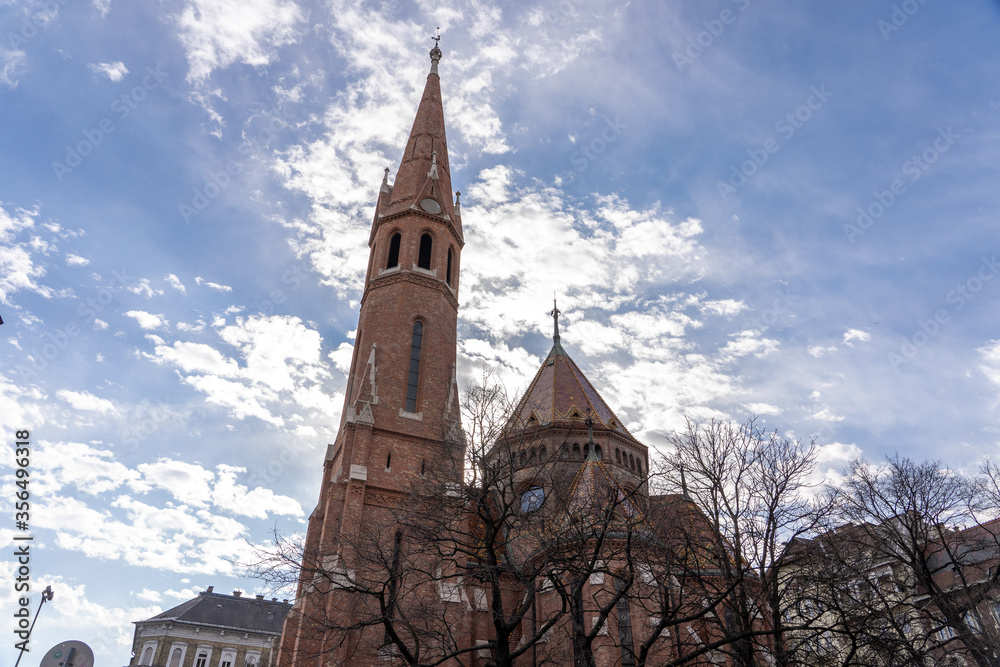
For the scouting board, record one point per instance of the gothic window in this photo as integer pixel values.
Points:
(576, 451)
(618, 456)
(393, 251)
(424, 258)
(625, 628)
(586, 450)
(597, 452)
(447, 278)
(631, 462)
(414, 376)
(638, 466)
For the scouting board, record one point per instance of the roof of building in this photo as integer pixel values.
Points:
(561, 392)
(249, 614)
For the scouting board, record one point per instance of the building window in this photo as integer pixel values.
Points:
(597, 452)
(424, 258)
(388, 461)
(175, 658)
(447, 278)
(576, 450)
(532, 499)
(147, 656)
(625, 628)
(618, 456)
(202, 660)
(393, 260)
(414, 376)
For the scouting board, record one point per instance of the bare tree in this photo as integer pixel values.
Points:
(750, 486)
(927, 523)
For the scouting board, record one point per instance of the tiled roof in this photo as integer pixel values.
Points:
(249, 614)
(561, 392)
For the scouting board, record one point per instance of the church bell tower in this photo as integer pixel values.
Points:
(400, 422)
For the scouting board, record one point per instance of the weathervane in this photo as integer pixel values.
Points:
(437, 36)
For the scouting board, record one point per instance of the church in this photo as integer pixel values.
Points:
(526, 538)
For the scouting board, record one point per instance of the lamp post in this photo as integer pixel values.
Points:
(46, 596)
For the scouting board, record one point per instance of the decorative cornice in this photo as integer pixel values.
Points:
(410, 277)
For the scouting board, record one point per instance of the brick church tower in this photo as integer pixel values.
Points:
(400, 421)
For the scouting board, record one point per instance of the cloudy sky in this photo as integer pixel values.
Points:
(745, 207)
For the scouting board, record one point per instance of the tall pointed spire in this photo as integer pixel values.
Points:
(423, 182)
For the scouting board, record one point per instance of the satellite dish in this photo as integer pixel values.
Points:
(68, 654)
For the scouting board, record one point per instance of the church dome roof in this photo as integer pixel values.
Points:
(561, 395)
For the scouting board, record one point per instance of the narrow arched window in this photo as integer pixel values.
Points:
(414, 376)
(202, 660)
(597, 452)
(631, 462)
(147, 656)
(424, 259)
(393, 251)
(447, 277)
(618, 456)
(542, 454)
(576, 451)
(175, 658)
(388, 461)
(625, 627)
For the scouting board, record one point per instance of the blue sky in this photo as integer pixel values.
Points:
(745, 207)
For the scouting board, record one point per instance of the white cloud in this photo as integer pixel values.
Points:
(100, 324)
(280, 372)
(176, 283)
(76, 260)
(102, 7)
(18, 270)
(989, 363)
(143, 288)
(115, 71)
(762, 408)
(147, 320)
(216, 286)
(82, 400)
(725, 307)
(856, 334)
(827, 416)
(148, 595)
(12, 64)
(218, 33)
(820, 351)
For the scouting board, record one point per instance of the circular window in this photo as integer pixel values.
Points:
(430, 205)
(532, 499)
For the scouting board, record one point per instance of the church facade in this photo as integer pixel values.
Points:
(538, 542)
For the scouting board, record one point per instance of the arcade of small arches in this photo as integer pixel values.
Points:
(534, 455)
